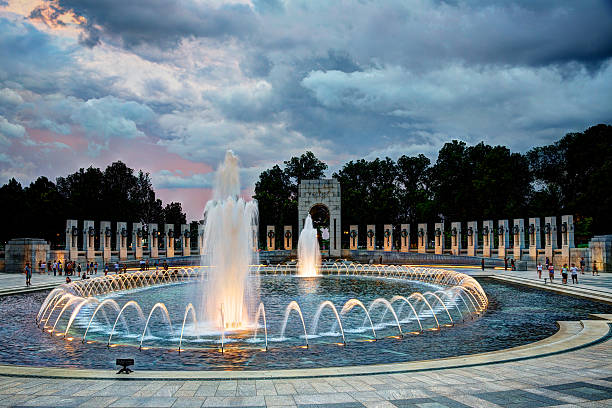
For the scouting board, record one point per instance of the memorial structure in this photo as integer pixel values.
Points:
(325, 194)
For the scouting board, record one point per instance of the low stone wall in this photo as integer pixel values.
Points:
(20, 251)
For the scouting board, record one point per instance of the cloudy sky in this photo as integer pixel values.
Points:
(168, 86)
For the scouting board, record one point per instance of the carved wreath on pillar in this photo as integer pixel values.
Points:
(404, 233)
(123, 232)
(515, 229)
(470, 231)
(387, 235)
(155, 233)
(271, 236)
(547, 228)
(421, 232)
(170, 234)
(187, 233)
(288, 235)
(139, 233)
(501, 230)
(353, 236)
(531, 228)
(107, 232)
(454, 232)
(75, 231)
(485, 230)
(370, 233)
(91, 231)
(564, 227)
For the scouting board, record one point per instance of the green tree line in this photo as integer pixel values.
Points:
(570, 176)
(116, 193)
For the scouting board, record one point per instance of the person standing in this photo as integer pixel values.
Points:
(28, 274)
(547, 262)
(505, 264)
(512, 264)
(595, 271)
(582, 265)
(574, 272)
(482, 264)
(551, 272)
(106, 269)
(59, 267)
(564, 274)
(147, 265)
(156, 265)
(96, 268)
(116, 268)
(539, 270)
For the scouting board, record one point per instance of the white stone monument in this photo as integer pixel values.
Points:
(186, 239)
(518, 233)
(567, 237)
(534, 238)
(121, 240)
(550, 236)
(439, 241)
(503, 235)
(472, 238)
(169, 240)
(422, 238)
(137, 239)
(72, 239)
(456, 238)
(405, 238)
(288, 237)
(106, 234)
(153, 241)
(326, 193)
(487, 238)
(270, 238)
(89, 240)
(371, 237)
(388, 237)
(354, 237)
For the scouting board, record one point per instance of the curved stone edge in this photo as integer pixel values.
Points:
(570, 336)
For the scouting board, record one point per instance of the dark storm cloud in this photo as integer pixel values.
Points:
(159, 22)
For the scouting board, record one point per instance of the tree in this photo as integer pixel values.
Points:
(413, 184)
(173, 214)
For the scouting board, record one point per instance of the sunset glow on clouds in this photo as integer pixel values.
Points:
(168, 86)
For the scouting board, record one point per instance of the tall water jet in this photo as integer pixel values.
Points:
(309, 254)
(228, 250)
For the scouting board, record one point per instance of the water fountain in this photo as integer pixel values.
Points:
(230, 298)
(309, 254)
(228, 244)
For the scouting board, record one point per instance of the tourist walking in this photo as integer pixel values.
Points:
(547, 262)
(551, 272)
(59, 267)
(28, 274)
(116, 268)
(482, 264)
(582, 266)
(595, 271)
(539, 270)
(96, 268)
(512, 264)
(574, 272)
(505, 264)
(54, 268)
(106, 269)
(564, 274)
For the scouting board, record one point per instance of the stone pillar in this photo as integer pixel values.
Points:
(600, 251)
(422, 238)
(254, 232)
(288, 237)
(534, 238)
(487, 238)
(270, 238)
(550, 236)
(153, 241)
(472, 238)
(137, 239)
(121, 243)
(186, 240)
(169, 240)
(518, 231)
(504, 238)
(89, 240)
(105, 240)
(388, 237)
(456, 238)
(405, 238)
(72, 239)
(439, 240)
(371, 237)
(354, 237)
(567, 237)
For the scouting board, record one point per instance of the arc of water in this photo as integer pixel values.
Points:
(441, 302)
(388, 305)
(448, 296)
(195, 322)
(50, 297)
(356, 302)
(417, 294)
(293, 305)
(315, 321)
(76, 311)
(66, 306)
(66, 297)
(132, 303)
(261, 310)
(162, 307)
(402, 298)
(100, 305)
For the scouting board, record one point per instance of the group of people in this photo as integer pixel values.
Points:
(565, 271)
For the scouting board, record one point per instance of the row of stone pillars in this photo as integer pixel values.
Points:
(534, 231)
(139, 232)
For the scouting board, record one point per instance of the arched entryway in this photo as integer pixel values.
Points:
(321, 199)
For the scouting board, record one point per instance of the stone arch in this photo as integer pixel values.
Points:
(326, 193)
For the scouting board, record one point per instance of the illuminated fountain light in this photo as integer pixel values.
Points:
(309, 254)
